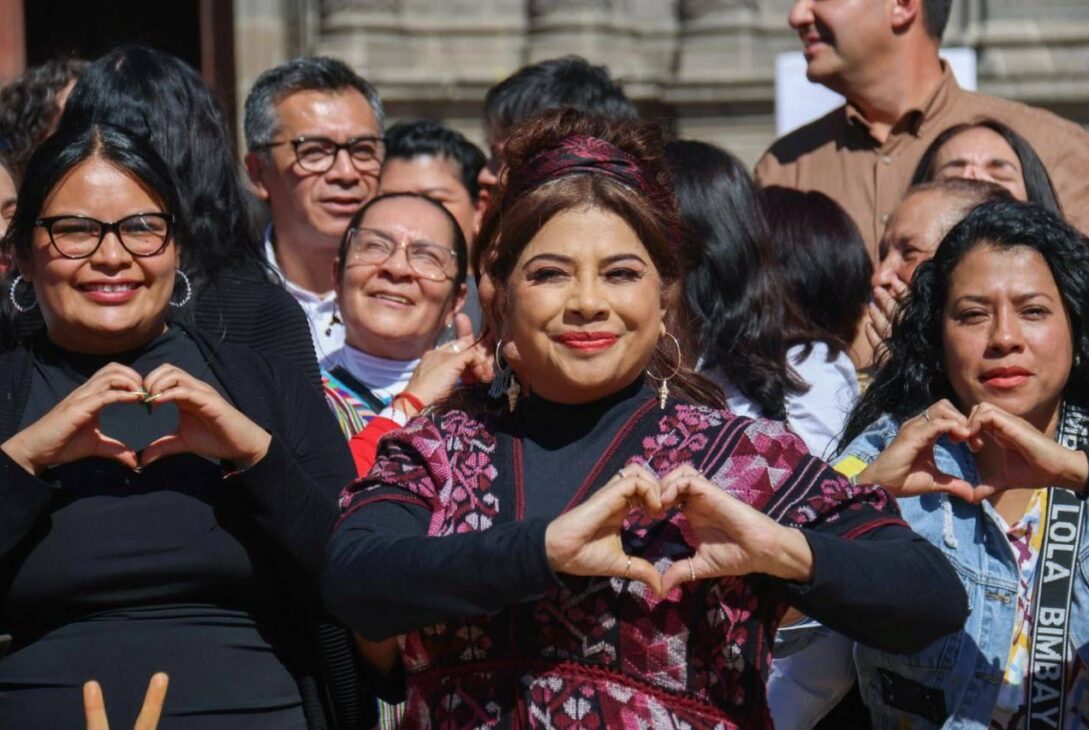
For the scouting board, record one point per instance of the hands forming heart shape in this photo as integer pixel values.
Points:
(207, 424)
(1028, 458)
(733, 538)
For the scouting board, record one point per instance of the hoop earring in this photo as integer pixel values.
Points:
(188, 289)
(663, 389)
(21, 309)
(334, 320)
(505, 381)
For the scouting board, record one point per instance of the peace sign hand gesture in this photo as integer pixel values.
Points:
(94, 707)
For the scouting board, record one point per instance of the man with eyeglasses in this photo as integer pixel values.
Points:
(315, 148)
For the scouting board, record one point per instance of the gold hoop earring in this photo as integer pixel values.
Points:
(663, 389)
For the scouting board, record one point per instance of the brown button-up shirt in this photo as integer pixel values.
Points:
(838, 155)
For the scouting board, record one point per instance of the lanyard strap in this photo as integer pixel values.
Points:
(1049, 660)
(361, 390)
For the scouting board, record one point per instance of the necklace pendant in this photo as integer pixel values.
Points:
(663, 394)
(513, 391)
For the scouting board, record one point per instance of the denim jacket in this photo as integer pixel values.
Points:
(954, 683)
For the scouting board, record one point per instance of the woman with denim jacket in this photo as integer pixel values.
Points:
(975, 421)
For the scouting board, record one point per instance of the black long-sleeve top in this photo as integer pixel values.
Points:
(887, 588)
(110, 574)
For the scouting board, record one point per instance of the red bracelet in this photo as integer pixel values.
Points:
(412, 400)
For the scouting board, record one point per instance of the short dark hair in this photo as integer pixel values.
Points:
(912, 375)
(67, 148)
(1037, 182)
(936, 17)
(311, 73)
(461, 246)
(823, 263)
(407, 140)
(557, 83)
(28, 105)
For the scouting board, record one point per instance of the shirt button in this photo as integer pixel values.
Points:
(884, 218)
(886, 159)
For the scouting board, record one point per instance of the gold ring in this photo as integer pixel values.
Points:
(926, 415)
(691, 571)
(627, 568)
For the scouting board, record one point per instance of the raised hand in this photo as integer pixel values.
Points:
(440, 369)
(94, 707)
(1027, 458)
(906, 467)
(586, 540)
(732, 538)
(882, 310)
(70, 431)
(207, 424)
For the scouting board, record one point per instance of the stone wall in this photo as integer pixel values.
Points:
(705, 66)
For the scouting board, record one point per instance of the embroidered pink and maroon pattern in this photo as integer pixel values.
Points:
(608, 652)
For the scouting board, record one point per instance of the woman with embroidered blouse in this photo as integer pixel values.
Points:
(602, 544)
(977, 423)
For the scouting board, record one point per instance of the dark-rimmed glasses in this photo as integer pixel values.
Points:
(78, 236)
(428, 260)
(319, 154)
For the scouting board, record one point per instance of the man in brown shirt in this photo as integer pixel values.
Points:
(883, 57)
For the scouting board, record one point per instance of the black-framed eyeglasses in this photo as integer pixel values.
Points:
(428, 260)
(319, 154)
(78, 236)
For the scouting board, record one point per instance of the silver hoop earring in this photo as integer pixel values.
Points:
(663, 389)
(188, 289)
(505, 382)
(20, 308)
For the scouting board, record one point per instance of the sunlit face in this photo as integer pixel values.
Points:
(8, 195)
(839, 37)
(309, 209)
(913, 233)
(584, 307)
(1006, 334)
(981, 154)
(111, 301)
(388, 309)
(437, 178)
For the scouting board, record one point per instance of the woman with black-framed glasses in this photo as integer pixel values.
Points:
(166, 494)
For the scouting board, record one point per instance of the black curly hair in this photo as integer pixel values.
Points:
(912, 375)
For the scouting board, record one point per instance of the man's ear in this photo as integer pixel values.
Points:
(255, 168)
(905, 13)
(333, 275)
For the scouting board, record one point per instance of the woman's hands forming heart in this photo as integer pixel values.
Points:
(1027, 458)
(732, 537)
(207, 424)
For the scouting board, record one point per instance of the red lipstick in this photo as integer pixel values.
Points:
(1005, 378)
(586, 341)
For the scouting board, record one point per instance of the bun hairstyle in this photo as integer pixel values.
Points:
(568, 160)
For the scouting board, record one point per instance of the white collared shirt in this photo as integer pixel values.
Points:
(319, 308)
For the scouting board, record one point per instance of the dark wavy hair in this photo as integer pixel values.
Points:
(457, 236)
(731, 289)
(913, 375)
(56, 157)
(28, 106)
(512, 221)
(1037, 182)
(164, 100)
(823, 264)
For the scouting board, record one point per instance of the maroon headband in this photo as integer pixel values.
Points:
(581, 154)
